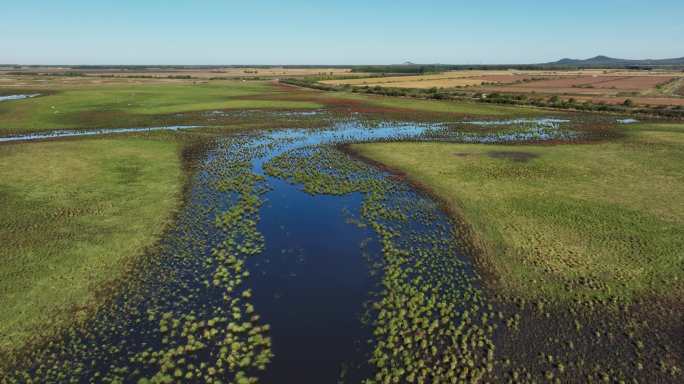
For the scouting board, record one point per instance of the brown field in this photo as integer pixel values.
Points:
(497, 76)
(581, 82)
(598, 85)
(608, 88)
(451, 79)
(621, 83)
(506, 79)
(680, 91)
(563, 82)
(548, 90)
(426, 84)
(635, 83)
(450, 75)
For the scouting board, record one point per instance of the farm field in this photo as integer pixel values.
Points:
(446, 79)
(606, 86)
(260, 246)
(641, 90)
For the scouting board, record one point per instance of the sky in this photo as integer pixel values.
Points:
(215, 32)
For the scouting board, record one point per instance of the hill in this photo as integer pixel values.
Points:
(605, 61)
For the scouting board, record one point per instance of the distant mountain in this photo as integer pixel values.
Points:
(605, 61)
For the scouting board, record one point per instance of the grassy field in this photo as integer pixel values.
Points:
(80, 103)
(126, 105)
(459, 108)
(564, 221)
(72, 214)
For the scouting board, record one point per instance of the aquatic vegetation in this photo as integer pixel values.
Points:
(573, 221)
(238, 344)
(193, 312)
(187, 314)
(506, 131)
(428, 320)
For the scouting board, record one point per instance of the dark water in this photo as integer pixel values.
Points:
(310, 284)
(312, 280)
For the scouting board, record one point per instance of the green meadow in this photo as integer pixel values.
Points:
(442, 107)
(597, 221)
(123, 105)
(73, 215)
(84, 105)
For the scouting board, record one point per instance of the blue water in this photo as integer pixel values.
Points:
(310, 284)
(312, 280)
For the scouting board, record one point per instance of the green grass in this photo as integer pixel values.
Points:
(120, 105)
(127, 105)
(73, 214)
(573, 221)
(438, 106)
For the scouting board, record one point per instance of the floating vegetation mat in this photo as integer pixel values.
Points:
(293, 261)
(507, 131)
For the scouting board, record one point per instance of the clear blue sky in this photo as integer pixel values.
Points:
(343, 32)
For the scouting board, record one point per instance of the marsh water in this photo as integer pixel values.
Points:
(18, 97)
(271, 270)
(310, 283)
(90, 132)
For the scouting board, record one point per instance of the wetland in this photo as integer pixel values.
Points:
(309, 246)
